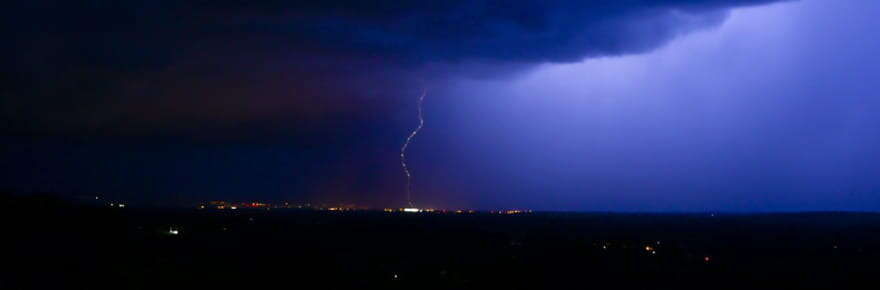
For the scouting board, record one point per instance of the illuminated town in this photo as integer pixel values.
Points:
(242, 205)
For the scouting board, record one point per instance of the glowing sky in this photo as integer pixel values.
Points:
(641, 106)
(770, 111)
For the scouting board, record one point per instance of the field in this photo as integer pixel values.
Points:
(59, 245)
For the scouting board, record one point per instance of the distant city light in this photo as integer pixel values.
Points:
(173, 231)
(220, 204)
(706, 259)
(121, 205)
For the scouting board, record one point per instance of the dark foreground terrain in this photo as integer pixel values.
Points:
(58, 245)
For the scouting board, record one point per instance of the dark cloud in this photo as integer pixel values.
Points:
(177, 67)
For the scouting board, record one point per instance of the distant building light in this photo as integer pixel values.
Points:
(173, 231)
(233, 207)
(706, 259)
(410, 209)
(121, 205)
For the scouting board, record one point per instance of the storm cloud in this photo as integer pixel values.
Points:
(189, 67)
(558, 105)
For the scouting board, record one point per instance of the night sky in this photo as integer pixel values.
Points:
(605, 105)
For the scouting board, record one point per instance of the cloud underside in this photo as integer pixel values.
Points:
(156, 65)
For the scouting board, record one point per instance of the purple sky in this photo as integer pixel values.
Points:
(684, 105)
(775, 110)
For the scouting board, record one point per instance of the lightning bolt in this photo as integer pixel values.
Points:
(409, 139)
